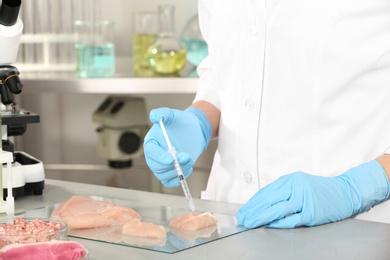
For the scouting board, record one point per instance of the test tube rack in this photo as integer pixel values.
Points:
(51, 46)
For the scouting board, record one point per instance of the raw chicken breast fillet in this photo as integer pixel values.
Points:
(137, 228)
(82, 212)
(194, 221)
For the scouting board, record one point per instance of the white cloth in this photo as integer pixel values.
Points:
(302, 85)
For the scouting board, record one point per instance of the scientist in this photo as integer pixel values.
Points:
(298, 95)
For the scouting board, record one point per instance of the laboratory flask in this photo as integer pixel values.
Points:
(194, 42)
(95, 49)
(145, 31)
(166, 55)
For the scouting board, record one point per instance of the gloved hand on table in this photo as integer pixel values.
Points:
(189, 132)
(300, 199)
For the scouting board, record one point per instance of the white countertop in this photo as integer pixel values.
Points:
(349, 239)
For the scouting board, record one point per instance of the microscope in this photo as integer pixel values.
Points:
(122, 127)
(27, 172)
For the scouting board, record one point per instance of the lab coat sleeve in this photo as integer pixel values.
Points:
(387, 151)
(207, 90)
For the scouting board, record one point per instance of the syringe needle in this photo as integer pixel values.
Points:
(183, 182)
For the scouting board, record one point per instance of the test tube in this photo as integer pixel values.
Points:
(54, 29)
(41, 27)
(66, 24)
(29, 48)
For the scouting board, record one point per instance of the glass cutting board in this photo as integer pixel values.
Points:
(177, 240)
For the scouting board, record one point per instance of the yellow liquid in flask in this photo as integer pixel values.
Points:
(167, 62)
(141, 43)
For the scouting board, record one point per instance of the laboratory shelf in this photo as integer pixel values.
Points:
(124, 82)
(111, 86)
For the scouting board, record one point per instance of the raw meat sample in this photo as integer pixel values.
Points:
(108, 234)
(193, 221)
(194, 234)
(137, 228)
(82, 212)
(53, 250)
(23, 231)
(144, 242)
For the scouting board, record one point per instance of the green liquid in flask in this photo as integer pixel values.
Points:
(197, 50)
(95, 61)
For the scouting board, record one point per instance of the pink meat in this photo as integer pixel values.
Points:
(193, 221)
(137, 228)
(53, 250)
(82, 212)
(23, 231)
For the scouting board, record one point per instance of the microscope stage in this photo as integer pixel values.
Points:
(22, 117)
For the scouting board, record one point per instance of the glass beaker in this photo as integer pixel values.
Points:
(166, 55)
(194, 42)
(95, 49)
(145, 31)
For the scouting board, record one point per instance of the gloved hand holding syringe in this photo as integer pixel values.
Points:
(183, 182)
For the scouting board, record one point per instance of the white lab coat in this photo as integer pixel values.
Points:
(302, 85)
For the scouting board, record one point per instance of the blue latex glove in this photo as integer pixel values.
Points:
(189, 132)
(300, 199)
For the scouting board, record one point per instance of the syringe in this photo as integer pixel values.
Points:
(183, 182)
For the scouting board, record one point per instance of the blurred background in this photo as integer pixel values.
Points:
(66, 139)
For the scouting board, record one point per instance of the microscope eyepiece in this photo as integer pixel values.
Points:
(9, 11)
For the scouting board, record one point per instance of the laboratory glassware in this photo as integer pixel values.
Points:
(145, 31)
(95, 49)
(194, 42)
(166, 55)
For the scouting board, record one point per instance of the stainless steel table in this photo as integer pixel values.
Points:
(349, 239)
